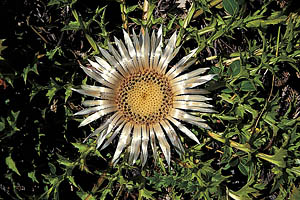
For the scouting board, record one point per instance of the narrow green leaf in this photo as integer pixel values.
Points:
(92, 42)
(189, 15)
(226, 117)
(136, 21)
(218, 34)
(65, 162)
(295, 170)
(11, 164)
(131, 8)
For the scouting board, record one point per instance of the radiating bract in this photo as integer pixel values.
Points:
(144, 97)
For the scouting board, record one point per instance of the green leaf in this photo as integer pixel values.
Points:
(64, 161)
(226, 117)
(136, 21)
(2, 124)
(231, 6)
(15, 115)
(92, 42)
(130, 9)
(295, 170)
(2, 48)
(11, 164)
(189, 15)
(32, 176)
(244, 169)
(218, 34)
(81, 147)
(73, 25)
(59, 2)
(146, 194)
(52, 168)
(29, 69)
(247, 86)
(235, 68)
(50, 94)
(71, 179)
(295, 194)
(261, 22)
(240, 111)
(68, 93)
(277, 158)
(104, 194)
(52, 52)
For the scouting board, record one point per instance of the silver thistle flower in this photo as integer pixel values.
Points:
(145, 98)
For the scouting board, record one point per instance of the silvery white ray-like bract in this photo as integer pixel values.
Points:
(144, 97)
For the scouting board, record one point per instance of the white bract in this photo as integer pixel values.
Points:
(145, 98)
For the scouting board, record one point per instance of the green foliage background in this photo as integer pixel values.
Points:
(252, 151)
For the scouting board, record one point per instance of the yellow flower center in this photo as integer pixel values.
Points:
(145, 97)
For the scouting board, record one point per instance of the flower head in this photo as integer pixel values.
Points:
(145, 99)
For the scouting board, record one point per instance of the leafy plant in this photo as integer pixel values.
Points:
(252, 151)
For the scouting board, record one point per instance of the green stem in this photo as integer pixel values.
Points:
(124, 15)
(211, 4)
(276, 159)
(186, 23)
